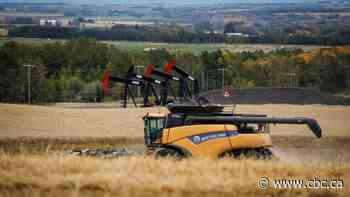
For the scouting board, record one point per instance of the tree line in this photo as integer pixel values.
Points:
(118, 32)
(72, 70)
(180, 35)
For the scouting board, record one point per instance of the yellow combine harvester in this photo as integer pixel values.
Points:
(208, 131)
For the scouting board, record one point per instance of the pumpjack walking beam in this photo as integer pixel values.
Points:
(149, 82)
(166, 78)
(127, 83)
(185, 76)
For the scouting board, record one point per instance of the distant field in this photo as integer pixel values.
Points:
(30, 40)
(195, 48)
(41, 121)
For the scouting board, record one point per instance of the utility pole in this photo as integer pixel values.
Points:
(347, 68)
(223, 76)
(207, 80)
(29, 73)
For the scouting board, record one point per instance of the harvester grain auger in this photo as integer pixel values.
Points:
(196, 131)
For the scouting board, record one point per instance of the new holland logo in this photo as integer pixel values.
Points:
(197, 139)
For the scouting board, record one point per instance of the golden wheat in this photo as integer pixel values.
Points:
(56, 175)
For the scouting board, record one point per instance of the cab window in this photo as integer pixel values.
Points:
(153, 128)
(156, 124)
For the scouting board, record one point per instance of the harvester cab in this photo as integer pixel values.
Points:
(154, 124)
(196, 131)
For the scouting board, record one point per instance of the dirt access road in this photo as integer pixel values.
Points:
(42, 121)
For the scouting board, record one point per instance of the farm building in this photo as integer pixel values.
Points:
(3, 32)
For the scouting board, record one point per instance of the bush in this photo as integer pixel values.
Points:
(92, 92)
(47, 93)
(116, 91)
(74, 88)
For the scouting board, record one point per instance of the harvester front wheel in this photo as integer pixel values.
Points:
(251, 153)
(169, 153)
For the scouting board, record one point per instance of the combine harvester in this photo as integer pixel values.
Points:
(207, 131)
(197, 129)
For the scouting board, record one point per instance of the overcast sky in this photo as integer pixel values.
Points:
(168, 2)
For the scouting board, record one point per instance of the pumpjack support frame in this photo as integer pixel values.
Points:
(154, 86)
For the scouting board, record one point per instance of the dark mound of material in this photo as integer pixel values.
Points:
(181, 108)
(275, 96)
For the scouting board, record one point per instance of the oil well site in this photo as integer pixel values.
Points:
(171, 137)
(157, 98)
